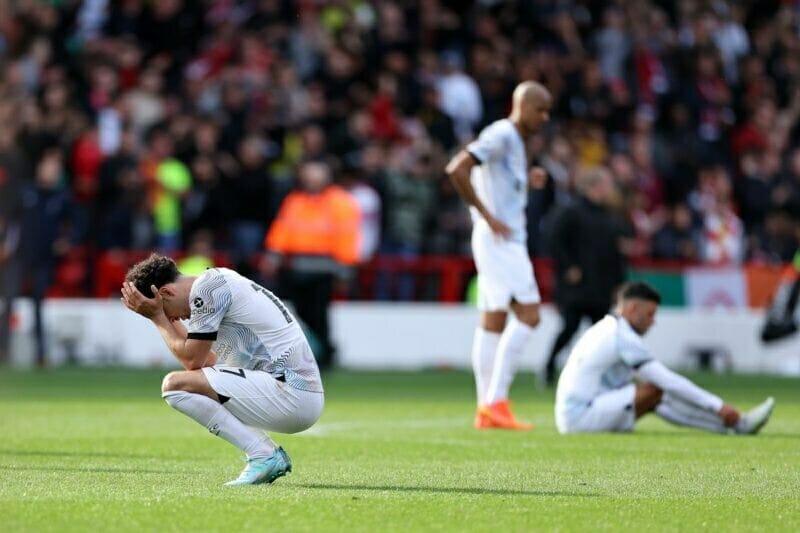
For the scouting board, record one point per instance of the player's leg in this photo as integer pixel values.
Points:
(612, 411)
(484, 351)
(509, 350)
(647, 398)
(259, 400)
(512, 343)
(680, 413)
(190, 393)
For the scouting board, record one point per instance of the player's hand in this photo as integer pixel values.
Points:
(139, 303)
(537, 178)
(497, 227)
(729, 415)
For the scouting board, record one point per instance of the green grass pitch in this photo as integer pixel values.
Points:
(98, 450)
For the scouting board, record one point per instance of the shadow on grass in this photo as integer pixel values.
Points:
(683, 432)
(57, 453)
(450, 490)
(88, 470)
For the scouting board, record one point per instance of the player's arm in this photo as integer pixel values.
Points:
(677, 385)
(191, 353)
(459, 170)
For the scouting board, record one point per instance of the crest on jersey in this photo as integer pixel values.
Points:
(198, 302)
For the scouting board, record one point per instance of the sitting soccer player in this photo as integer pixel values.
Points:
(596, 391)
(248, 365)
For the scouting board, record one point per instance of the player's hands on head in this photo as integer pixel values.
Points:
(729, 415)
(141, 304)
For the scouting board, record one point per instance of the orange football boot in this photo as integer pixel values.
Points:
(501, 417)
(482, 420)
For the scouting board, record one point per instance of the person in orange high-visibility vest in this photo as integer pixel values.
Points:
(313, 240)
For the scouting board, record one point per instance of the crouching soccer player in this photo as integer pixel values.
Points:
(248, 365)
(596, 392)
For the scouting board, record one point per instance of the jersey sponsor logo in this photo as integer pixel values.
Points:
(200, 309)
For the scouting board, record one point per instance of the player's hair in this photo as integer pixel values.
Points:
(156, 270)
(639, 290)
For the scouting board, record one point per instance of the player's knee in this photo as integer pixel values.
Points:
(650, 395)
(172, 382)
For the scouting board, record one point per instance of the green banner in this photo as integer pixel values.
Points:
(669, 284)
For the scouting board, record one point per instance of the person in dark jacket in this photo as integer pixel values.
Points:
(585, 244)
(36, 235)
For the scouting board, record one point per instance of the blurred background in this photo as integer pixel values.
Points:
(185, 127)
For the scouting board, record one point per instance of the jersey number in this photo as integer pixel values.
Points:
(238, 372)
(274, 299)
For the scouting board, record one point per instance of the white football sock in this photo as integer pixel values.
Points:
(484, 350)
(219, 421)
(509, 349)
(681, 413)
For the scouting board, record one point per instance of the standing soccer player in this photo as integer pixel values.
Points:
(492, 176)
(249, 368)
(596, 391)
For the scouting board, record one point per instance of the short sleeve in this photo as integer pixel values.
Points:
(488, 144)
(632, 350)
(210, 299)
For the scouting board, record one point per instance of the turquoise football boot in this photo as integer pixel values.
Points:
(264, 469)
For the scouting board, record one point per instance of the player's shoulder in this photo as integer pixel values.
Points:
(213, 278)
(500, 127)
(627, 335)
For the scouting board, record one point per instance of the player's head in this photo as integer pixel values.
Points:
(531, 105)
(637, 302)
(162, 272)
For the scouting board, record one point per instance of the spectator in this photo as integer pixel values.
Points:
(460, 98)
(313, 240)
(775, 241)
(37, 233)
(167, 180)
(256, 202)
(198, 255)
(678, 239)
(369, 205)
(656, 87)
(723, 234)
(409, 196)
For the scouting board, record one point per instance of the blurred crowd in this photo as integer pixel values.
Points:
(137, 124)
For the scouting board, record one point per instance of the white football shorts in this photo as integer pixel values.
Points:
(259, 400)
(505, 272)
(612, 411)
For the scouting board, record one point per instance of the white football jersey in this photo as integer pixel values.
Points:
(501, 180)
(603, 359)
(251, 328)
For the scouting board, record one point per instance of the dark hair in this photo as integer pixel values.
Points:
(156, 270)
(640, 290)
